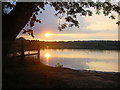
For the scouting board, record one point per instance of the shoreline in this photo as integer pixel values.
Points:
(19, 73)
(85, 70)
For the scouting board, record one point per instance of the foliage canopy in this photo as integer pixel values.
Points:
(68, 10)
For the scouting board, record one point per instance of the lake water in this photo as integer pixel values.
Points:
(82, 59)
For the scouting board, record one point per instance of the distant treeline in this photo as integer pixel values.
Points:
(33, 44)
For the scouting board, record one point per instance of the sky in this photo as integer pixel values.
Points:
(95, 27)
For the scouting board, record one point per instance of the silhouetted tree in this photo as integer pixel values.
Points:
(25, 13)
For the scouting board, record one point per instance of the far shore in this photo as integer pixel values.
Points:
(91, 45)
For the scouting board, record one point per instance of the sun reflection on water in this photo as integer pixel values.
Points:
(47, 55)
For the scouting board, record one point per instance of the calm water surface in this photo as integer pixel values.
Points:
(99, 60)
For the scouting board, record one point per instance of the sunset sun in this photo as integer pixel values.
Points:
(47, 34)
(47, 55)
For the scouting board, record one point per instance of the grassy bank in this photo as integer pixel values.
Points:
(29, 73)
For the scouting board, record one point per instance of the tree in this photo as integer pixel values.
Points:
(25, 13)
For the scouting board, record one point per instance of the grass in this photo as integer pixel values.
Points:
(30, 73)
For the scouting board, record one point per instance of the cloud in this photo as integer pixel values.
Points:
(96, 27)
(101, 22)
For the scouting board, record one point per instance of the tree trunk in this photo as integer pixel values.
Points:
(13, 23)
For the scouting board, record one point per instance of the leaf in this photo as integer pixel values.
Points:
(69, 19)
(29, 31)
(38, 21)
(70, 25)
(24, 31)
(40, 11)
(118, 23)
(112, 17)
(63, 26)
(32, 23)
(59, 28)
(89, 13)
(98, 12)
(36, 13)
